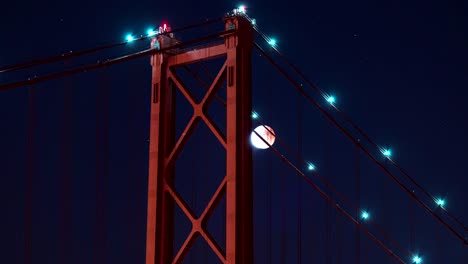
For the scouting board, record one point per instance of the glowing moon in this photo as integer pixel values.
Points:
(264, 132)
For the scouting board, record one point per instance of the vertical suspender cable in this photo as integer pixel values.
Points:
(105, 165)
(412, 227)
(269, 185)
(384, 193)
(338, 238)
(269, 215)
(358, 201)
(96, 240)
(299, 180)
(283, 226)
(101, 167)
(328, 208)
(66, 174)
(439, 245)
(31, 126)
(132, 167)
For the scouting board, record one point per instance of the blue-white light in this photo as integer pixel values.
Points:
(272, 42)
(417, 259)
(253, 21)
(310, 166)
(365, 215)
(331, 99)
(242, 9)
(254, 115)
(129, 38)
(150, 32)
(440, 202)
(387, 153)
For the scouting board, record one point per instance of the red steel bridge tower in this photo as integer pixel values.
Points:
(165, 148)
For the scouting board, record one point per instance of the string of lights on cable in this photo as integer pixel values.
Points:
(386, 152)
(267, 134)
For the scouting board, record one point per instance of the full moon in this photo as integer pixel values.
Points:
(264, 132)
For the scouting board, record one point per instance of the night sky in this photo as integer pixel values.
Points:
(398, 68)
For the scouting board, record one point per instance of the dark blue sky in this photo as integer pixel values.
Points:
(397, 68)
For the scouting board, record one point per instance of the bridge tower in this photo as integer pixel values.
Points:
(165, 148)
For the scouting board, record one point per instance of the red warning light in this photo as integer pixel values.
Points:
(164, 28)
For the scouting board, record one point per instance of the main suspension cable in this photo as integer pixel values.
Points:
(107, 63)
(329, 185)
(329, 199)
(300, 159)
(359, 130)
(62, 57)
(357, 144)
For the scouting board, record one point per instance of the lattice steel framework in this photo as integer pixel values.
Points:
(165, 149)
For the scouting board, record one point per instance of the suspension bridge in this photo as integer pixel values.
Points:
(207, 195)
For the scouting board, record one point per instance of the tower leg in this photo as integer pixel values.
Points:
(164, 150)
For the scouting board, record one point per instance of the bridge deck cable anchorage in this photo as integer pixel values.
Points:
(360, 131)
(110, 62)
(357, 144)
(70, 54)
(330, 200)
(327, 183)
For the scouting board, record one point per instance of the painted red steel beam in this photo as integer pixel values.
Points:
(165, 149)
(239, 233)
(194, 56)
